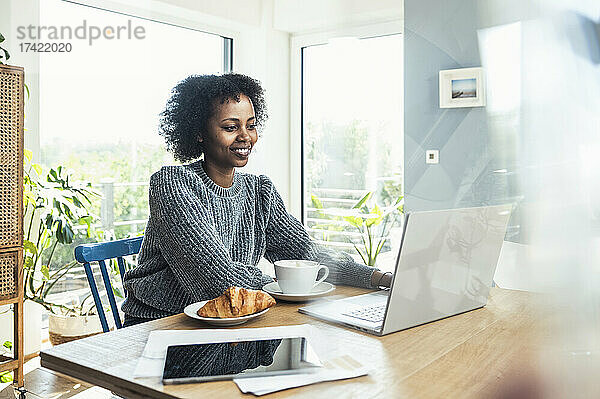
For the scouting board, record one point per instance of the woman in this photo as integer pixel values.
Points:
(209, 224)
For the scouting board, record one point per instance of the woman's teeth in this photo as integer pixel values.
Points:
(241, 151)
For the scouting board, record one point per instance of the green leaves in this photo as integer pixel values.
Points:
(367, 220)
(54, 206)
(6, 376)
(6, 55)
(45, 272)
(374, 220)
(37, 168)
(316, 202)
(28, 155)
(64, 204)
(28, 263)
(28, 198)
(363, 200)
(30, 247)
(87, 220)
(117, 292)
(60, 226)
(354, 221)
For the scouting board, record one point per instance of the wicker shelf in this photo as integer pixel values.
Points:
(9, 301)
(4, 359)
(9, 364)
(11, 209)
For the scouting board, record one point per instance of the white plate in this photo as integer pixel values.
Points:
(192, 309)
(320, 290)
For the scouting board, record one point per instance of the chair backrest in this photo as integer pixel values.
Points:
(101, 252)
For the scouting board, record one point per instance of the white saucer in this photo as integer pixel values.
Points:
(192, 309)
(320, 290)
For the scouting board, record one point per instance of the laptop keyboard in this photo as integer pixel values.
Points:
(374, 314)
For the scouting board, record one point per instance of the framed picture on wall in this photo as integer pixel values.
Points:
(463, 87)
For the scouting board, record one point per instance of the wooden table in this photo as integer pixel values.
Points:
(468, 355)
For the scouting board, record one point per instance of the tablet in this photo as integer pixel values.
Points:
(228, 360)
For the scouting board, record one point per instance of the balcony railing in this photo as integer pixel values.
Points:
(107, 206)
(330, 197)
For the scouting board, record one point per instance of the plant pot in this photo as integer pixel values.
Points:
(63, 329)
(32, 326)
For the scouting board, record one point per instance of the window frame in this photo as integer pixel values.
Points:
(170, 18)
(298, 43)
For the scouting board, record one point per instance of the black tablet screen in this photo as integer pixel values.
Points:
(205, 362)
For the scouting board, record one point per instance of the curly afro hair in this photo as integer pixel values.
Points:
(193, 102)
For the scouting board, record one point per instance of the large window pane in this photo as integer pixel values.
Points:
(100, 105)
(352, 136)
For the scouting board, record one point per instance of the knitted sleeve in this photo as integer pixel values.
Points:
(189, 243)
(286, 238)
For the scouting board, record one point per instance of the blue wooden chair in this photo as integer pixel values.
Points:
(100, 252)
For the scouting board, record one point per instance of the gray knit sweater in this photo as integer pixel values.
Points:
(202, 238)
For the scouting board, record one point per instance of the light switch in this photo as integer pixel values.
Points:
(432, 156)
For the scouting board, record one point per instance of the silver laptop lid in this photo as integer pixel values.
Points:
(445, 265)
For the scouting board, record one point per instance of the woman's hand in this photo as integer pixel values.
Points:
(379, 279)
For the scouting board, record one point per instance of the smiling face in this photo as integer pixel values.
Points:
(231, 134)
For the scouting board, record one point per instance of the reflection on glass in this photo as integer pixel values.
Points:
(467, 237)
(206, 362)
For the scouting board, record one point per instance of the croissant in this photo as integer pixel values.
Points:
(236, 302)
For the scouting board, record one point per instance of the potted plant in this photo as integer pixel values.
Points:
(372, 221)
(54, 205)
(76, 321)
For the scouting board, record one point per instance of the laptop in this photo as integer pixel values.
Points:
(445, 266)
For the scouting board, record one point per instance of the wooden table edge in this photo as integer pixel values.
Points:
(87, 374)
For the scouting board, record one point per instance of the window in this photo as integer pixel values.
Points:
(352, 139)
(100, 105)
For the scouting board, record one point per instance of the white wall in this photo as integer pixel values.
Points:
(15, 13)
(248, 12)
(264, 54)
(309, 16)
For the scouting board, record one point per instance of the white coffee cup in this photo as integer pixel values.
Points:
(298, 276)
